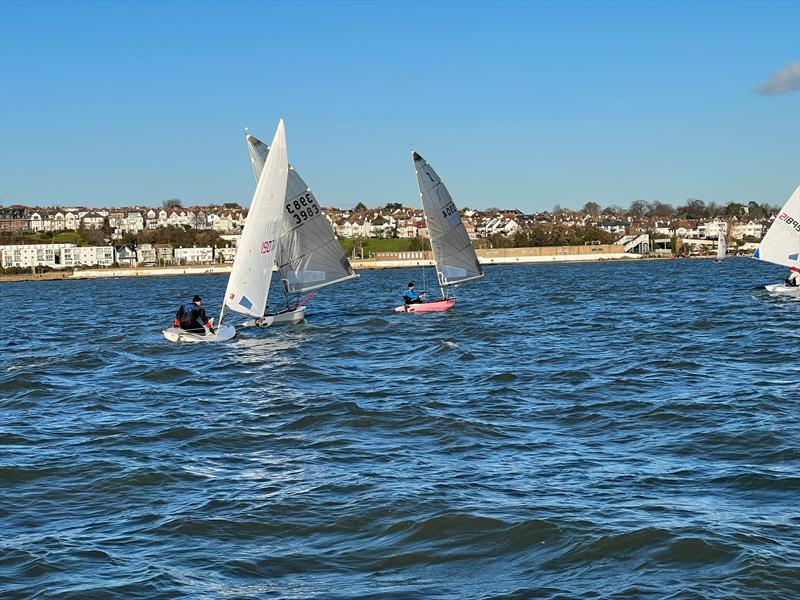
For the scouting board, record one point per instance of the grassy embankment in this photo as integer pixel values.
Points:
(372, 245)
(46, 237)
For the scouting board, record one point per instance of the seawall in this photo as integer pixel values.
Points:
(395, 260)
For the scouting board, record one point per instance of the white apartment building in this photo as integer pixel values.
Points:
(749, 229)
(711, 229)
(190, 256)
(146, 254)
(32, 255)
(89, 256)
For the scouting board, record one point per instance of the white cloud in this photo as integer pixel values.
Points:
(782, 81)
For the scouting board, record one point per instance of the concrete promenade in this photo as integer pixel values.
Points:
(393, 260)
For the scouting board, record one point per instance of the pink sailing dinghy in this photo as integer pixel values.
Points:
(441, 305)
(453, 253)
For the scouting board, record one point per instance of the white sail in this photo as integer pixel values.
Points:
(248, 285)
(453, 252)
(309, 255)
(722, 244)
(781, 244)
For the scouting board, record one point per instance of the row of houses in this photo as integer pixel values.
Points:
(60, 256)
(397, 222)
(17, 218)
(408, 223)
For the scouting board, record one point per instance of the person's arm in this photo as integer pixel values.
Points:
(178, 316)
(203, 318)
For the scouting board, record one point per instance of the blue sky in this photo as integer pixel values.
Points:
(519, 104)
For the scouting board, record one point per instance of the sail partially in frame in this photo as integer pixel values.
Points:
(781, 244)
(309, 255)
(248, 284)
(456, 261)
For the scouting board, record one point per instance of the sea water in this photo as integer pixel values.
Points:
(604, 430)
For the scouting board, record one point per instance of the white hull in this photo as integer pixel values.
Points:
(781, 288)
(176, 334)
(287, 317)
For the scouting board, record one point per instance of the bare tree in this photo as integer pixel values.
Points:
(171, 203)
(591, 208)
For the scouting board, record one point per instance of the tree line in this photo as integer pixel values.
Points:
(552, 235)
(694, 208)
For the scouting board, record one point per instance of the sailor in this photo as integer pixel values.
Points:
(192, 317)
(794, 277)
(411, 297)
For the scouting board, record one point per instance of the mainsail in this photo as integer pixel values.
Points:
(309, 255)
(722, 244)
(781, 244)
(248, 285)
(453, 252)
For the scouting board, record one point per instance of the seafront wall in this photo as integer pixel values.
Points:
(502, 256)
(394, 260)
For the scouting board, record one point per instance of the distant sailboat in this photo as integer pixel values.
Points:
(248, 284)
(309, 254)
(722, 245)
(453, 253)
(781, 244)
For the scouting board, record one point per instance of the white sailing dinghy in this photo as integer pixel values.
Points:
(453, 253)
(248, 284)
(781, 244)
(722, 246)
(309, 256)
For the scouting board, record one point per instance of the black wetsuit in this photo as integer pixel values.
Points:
(192, 318)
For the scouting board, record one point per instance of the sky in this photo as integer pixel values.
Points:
(515, 104)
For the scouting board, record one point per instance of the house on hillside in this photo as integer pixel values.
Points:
(92, 220)
(125, 255)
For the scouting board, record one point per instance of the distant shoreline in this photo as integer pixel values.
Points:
(358, 265)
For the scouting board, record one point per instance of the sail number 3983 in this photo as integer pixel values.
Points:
(303, 208)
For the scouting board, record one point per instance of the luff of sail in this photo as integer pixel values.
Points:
(453, 253)
(309, 255)
(781, 244)
(248, 285)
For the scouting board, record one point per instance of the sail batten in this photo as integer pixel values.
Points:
(248, 284)
(453, 253)
(781, 244)
(309, 255)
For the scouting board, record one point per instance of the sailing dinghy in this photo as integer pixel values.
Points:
(781, 244)
(722, 246)
(248, 284)
(453, 253)
(309, 256)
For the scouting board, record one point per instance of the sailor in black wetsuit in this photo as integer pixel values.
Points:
(192, 317)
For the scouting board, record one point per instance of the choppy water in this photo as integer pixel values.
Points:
(569, 431)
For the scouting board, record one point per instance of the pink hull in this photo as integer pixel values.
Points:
(435, 306)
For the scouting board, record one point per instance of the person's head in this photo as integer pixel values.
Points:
(410, 285)
(197, 300)
(794, 269)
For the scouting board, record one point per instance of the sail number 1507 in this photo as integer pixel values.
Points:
(303, 208)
